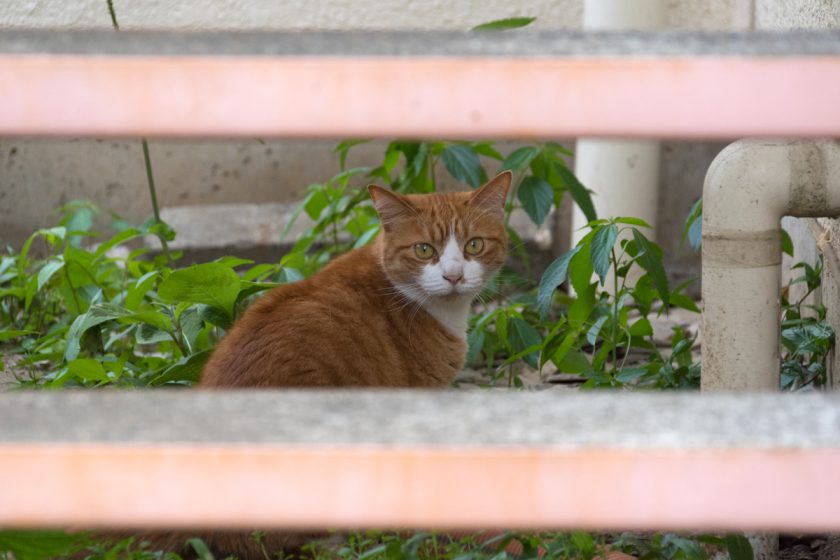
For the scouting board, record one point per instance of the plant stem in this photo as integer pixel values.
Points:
(153, 195)
(615, 312)
(72, 289)
(113, 15)
(146, 159)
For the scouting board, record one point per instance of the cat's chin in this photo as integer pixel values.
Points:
(455, 294)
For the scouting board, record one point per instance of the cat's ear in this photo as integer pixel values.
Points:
(492, 195)
(390, 206)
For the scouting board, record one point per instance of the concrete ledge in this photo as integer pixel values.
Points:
(412, 459)
(668, 421)
(527, 43)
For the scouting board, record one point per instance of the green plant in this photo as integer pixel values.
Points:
(806, 336)
(670, 546)
(596, 332)
(85, 316)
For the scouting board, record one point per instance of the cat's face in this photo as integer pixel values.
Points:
(442, 245)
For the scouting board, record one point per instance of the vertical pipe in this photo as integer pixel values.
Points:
(748, 188)
(624, 175)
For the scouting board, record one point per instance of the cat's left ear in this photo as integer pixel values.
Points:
(492, 195)
(390, 206)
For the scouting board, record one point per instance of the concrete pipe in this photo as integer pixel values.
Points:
(748, 188)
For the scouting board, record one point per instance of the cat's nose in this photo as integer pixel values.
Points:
(453, 278)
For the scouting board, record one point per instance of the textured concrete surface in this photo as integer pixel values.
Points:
(797, 14)
(711, 14)
(345, 14)
(671, 42)
(294, 14)
(480, 418)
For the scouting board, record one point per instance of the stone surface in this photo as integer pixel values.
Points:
(426, 43)
(309, 14)
(467, 418)
(797, 14)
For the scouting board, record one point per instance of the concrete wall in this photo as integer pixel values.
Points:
(36, 175)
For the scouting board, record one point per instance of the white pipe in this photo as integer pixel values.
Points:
(748, 188)
(624, 175)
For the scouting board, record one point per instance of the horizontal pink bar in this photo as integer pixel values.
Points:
(419, 97)
(259, 486)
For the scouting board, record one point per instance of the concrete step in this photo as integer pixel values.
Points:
(420, 459)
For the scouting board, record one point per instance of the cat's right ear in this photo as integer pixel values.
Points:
(492, 196)
(390, 206)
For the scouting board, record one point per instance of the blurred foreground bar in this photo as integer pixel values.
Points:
(419, 459)
(455, 85)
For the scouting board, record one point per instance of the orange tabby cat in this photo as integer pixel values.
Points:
(392, 314)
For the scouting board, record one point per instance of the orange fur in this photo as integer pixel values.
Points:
(349, 325)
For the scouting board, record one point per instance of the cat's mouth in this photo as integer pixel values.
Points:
(453, 292)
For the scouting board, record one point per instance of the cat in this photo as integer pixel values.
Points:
(391, 314)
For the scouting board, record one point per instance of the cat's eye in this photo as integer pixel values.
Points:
(424, 251)
(474, 246)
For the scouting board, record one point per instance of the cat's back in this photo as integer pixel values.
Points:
(345, 326)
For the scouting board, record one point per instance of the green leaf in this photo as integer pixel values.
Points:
(233, 262)
(47, 272)
(87, 369)
(536, 197)
(506, 23)
(475, 344)
(186, 369)
(289, 275)
(641, 328)
(154, 318)
(690, 549)
(214, 316)
(580, 274)
(693, 225)
(629, 220)
(553, 276)
(580, 269)
(149, 334)
(96, 315)
(650, 259)
(344, 147)
(365, 238)
(574, 362)
(739, 547)
(210, 283)
(121, 237)
(519, 158)
(524, 336)
(501, 325)
(315, 202)
(628, 375)
(580, 194)
(134, 295)
(595, 330)
(463, 164)
(684, 302)
(600, 249)
(10, 334)
(38, 545)
(787, 243)
(487, 149)
(201, 550)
